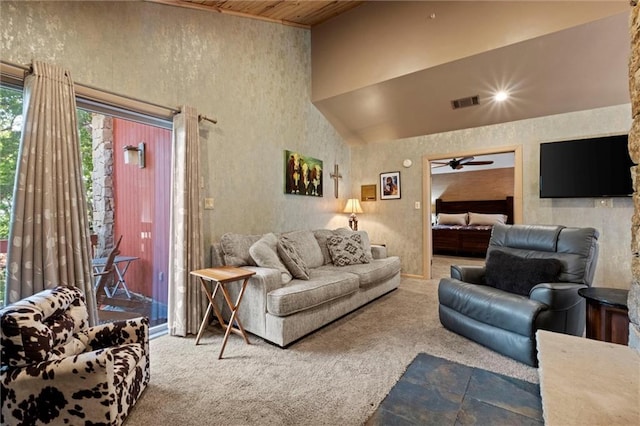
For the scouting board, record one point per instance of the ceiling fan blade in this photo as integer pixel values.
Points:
(436, 165)
(465, 160)
(479, 163)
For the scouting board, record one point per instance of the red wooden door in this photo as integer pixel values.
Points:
(141, 198)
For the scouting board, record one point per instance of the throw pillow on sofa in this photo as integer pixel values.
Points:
(265, 253)
(292, 260)
(236, 249)
(322, 235)
(364, 237)
(307, 247)
(346, 250)
(519, 275)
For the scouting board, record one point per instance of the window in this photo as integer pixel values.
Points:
(122, 199)
(10, 129)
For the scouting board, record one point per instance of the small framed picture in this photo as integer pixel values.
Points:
(390, 186)
(368, 192)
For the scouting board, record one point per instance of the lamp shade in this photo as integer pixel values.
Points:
(353, 206)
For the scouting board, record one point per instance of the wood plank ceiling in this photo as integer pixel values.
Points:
(303, 14)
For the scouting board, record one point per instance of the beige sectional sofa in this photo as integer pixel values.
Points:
(280, 304)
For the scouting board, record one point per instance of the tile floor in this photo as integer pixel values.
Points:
(435, 391)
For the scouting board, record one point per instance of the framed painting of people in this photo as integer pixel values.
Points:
(302, 174)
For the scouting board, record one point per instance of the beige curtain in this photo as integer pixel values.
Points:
(187, 303)
(49, 236)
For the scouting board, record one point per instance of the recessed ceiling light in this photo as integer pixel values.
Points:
(501, 96)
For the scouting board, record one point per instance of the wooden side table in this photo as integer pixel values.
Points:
(222, 276)
(607, 314)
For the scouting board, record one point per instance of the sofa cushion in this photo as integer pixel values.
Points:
(75, 345)
(346, 250)
(292, 259)
(324, 286)
(236, 249)
(373, 272)
(519, 275)
(322, 235)
(265, 253)
(307, 247)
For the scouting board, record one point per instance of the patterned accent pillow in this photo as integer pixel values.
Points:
(346, 250)
(292, 260)
(366, 244)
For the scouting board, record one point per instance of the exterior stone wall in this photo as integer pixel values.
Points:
(634, 148)
(103, 200)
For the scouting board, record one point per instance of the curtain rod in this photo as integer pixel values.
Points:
(93, 93)
(204, 117)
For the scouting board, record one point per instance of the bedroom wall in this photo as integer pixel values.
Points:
(253, 76)
(399, 224)
(491, 184)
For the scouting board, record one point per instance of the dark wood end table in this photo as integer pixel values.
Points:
(607, 314)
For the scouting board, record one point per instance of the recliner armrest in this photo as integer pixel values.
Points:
(491, 306)
(468, 274)
(566, 313)
(558, 296)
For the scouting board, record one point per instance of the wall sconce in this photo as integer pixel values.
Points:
(134, 155)
(353, 207)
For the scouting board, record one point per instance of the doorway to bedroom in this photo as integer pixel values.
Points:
(487, 183)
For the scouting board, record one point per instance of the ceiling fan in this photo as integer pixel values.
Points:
(457, 164)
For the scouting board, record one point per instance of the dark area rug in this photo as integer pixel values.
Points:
(436, 391)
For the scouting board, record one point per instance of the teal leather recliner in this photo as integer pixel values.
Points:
(505, 321)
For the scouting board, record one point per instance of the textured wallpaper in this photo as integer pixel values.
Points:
(253, 76)
(399, 224)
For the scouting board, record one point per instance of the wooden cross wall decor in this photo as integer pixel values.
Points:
(335, 176)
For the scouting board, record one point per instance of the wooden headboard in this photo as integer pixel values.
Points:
(480, 206)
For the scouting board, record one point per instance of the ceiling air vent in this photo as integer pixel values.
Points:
(465, 102)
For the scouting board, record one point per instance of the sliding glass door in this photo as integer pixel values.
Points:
(128, 195)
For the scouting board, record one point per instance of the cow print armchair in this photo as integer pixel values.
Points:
(55, 369)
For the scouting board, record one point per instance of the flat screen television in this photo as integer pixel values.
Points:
(595, 167)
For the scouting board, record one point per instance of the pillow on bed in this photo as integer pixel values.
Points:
(486, 219)
(452, 219)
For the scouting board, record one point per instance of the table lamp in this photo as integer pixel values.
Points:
(353, 207)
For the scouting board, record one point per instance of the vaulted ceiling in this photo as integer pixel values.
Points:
(304, 14)
(385, 70)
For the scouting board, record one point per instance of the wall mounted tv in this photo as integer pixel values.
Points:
(595, 167)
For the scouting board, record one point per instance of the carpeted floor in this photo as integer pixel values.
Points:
(337, 375)
(436, 391)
